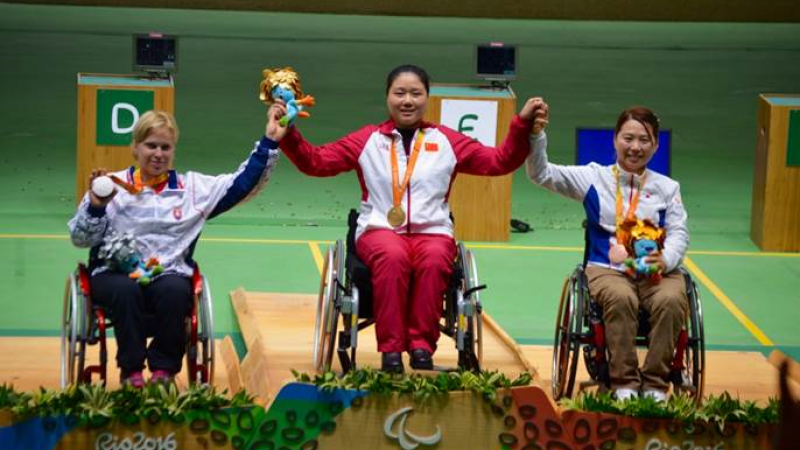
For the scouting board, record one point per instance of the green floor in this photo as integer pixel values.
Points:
(702, 79)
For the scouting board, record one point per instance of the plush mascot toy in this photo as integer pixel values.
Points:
(121, 255)
(284, 84)
(646, 238)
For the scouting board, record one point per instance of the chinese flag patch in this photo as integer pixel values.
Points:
(431, 147)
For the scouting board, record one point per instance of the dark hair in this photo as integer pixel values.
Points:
(643, 115)
(416, 70)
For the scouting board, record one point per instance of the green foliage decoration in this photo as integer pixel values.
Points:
(716, 410)
(420, 386)
(94, 405)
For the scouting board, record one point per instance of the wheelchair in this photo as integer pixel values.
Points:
(580, 330)
(346, 290)
(85, 325)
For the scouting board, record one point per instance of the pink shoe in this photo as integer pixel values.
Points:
(161, 376)
(134, 379)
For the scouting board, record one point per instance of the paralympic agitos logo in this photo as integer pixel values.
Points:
(407, 439)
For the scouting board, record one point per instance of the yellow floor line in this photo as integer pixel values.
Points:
(728, 303)
(525, 247)
(34, 236)
(473, 246)
(317, 255)
(756, 254)
(257, 241)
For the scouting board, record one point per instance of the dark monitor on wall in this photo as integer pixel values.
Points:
(597, 145)
(155, 53)
(496, 61)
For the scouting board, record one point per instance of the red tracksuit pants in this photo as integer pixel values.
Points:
(410, 273)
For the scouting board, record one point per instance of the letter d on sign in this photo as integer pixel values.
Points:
(115, 127)
(117, 113)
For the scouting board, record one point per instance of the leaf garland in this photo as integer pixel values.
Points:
(418, 385)
(95, 405)
(715, 409)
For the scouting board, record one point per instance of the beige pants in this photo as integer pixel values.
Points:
(621, 297)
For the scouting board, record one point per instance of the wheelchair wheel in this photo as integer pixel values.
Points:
(469, 334)
(694, 373)
(74, 329)
(327, 313)
(200, 351)
(566, 346)
(207, 331)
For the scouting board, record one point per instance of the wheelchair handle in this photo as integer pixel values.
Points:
(471, 291)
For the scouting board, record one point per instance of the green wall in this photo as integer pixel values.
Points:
(663, 10)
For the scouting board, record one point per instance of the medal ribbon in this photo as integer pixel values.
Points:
(138, 184)
(631, 215)
(397, 188)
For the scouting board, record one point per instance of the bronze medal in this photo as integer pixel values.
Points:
(396, 216)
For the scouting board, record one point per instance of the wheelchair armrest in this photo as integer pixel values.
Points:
(84, 278)
(197, 280)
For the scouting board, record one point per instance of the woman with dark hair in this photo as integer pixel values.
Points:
(617, 198)
(405, 167)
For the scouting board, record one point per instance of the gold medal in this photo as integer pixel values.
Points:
(396, 216)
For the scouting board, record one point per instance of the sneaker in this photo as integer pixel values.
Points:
(134, 379)
(392, 362)
(421, 359)
(655, 394)
(161, 376)
(624, 394)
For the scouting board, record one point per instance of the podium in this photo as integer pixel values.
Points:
(481, 206)
(775, 217)
(108, 106)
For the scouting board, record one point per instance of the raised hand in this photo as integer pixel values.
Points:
(98, 201)
(274, 129)
(537, 111)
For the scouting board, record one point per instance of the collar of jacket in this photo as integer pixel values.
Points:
(387, 128)
(625, 176)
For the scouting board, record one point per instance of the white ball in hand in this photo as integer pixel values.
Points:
(102, 186)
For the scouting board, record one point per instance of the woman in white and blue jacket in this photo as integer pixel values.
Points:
(165, 212)
(607, 193)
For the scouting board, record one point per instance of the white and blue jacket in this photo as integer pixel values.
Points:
(167, 223)
(596, 187)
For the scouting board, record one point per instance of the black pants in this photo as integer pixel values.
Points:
(165, 302)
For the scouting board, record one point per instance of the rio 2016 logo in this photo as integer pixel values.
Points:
(655, 444)
(140, 441)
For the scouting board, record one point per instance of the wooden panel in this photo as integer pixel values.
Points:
(91, 156)
(775, 219)
(254, 367)
(229, 357)
(760, 173)
(747, 375)
(285, 326)
(481, 206)
(30, 362)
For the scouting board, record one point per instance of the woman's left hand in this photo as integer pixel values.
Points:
(536, 110)
(656, 258)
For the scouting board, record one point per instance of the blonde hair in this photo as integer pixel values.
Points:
(151, 120)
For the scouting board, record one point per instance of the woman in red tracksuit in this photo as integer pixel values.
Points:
(405, 167)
